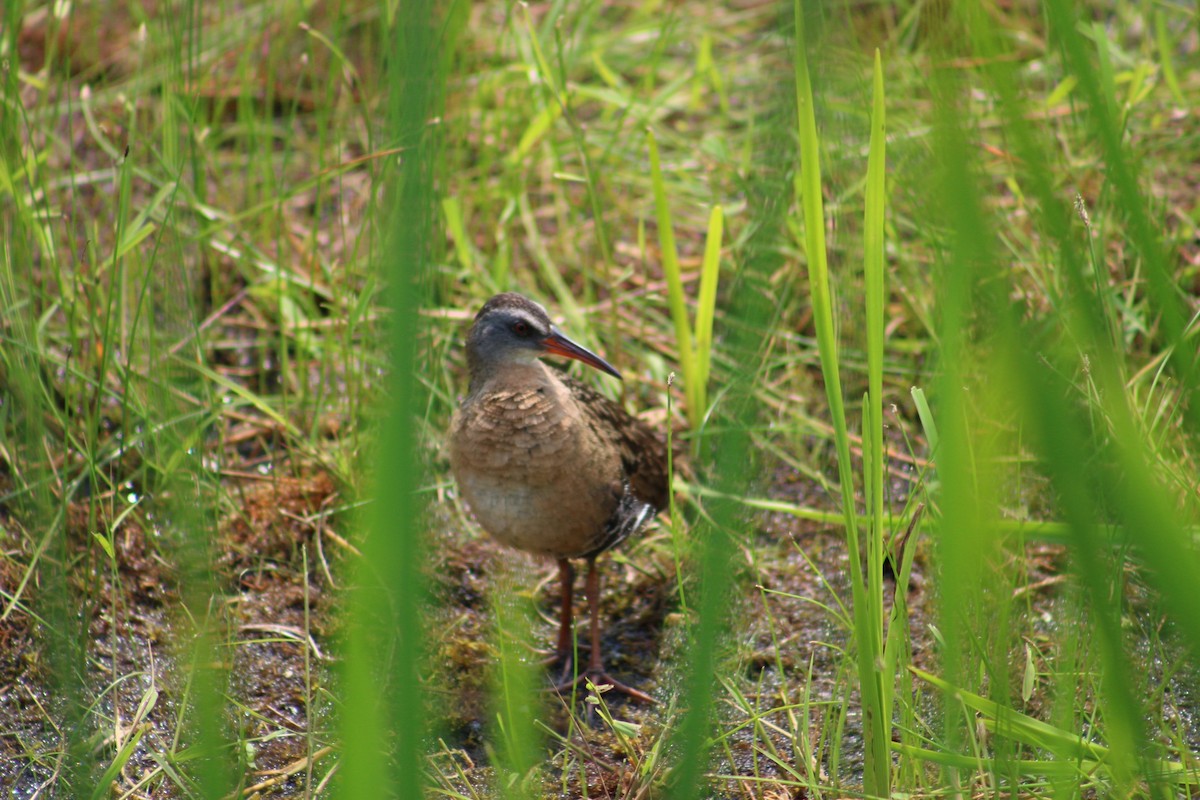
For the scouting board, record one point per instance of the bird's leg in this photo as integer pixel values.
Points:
(596, 665)
(595, 671)
(566, 576)
(566, 646)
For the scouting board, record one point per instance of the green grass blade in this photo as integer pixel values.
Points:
(384, 722)
(514, 694)
(675, 296)
(877, 780)
(1068, 746)
(457, 230)
(874, 274)
(1095, 87)
(706, 304)
(1166, 56)
(925, 414)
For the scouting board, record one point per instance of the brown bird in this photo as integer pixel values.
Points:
(547, 464)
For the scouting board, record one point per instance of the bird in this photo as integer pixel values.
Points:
(549, 465)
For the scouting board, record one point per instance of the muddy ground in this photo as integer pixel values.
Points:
(786, 644)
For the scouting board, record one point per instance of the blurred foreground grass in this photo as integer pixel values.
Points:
(242, 242)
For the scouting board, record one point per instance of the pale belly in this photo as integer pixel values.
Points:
(532, 470)
(562, 519)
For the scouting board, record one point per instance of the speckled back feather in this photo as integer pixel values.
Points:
(643, 451)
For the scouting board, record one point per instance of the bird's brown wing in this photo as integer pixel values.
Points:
(643, 451)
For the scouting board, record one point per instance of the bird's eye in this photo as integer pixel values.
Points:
(521, 328)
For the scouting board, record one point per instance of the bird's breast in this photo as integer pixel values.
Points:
(536, 477)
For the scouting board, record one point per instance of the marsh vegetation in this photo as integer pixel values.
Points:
(914, 284)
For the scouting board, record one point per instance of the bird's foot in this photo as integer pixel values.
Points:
(548, 657)
(603, 682)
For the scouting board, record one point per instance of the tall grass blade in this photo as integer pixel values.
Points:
(706, 304)
(874, 271)
(971, 591)
(514, 694)
(384, 721)
(1083, 462)
(752, 311)
(1162, 540)
(715, 543)
(867, 626)
(1067, 746)
(675, 296)
(1144, 235)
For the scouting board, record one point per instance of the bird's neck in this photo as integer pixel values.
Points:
(490, 375)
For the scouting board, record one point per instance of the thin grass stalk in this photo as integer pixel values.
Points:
(1164, 542)
(26, 238)
(608, 273)
(514, 694)
(751, 311)
(1143, 233)
(693, 731)
(966, 537)
(310, 716)
(671, 269)
(677, 532)
(1051, 531)
(874, 274)
(877, 773)
(706, 303)
(383, 723)
(1166, 51)
(1121, 466)
(589, 171)
(539, 127)
(1067, 745)
(188, 488)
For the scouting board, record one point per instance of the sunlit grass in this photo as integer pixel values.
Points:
(867, 606)
(242, 245)
(693, 340)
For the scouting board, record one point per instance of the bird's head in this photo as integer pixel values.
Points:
(511, 329)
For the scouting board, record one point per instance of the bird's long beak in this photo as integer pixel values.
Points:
(558, 344)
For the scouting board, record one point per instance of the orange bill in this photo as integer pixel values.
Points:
(558, 344)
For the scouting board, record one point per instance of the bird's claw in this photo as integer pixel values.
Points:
(603, 682)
